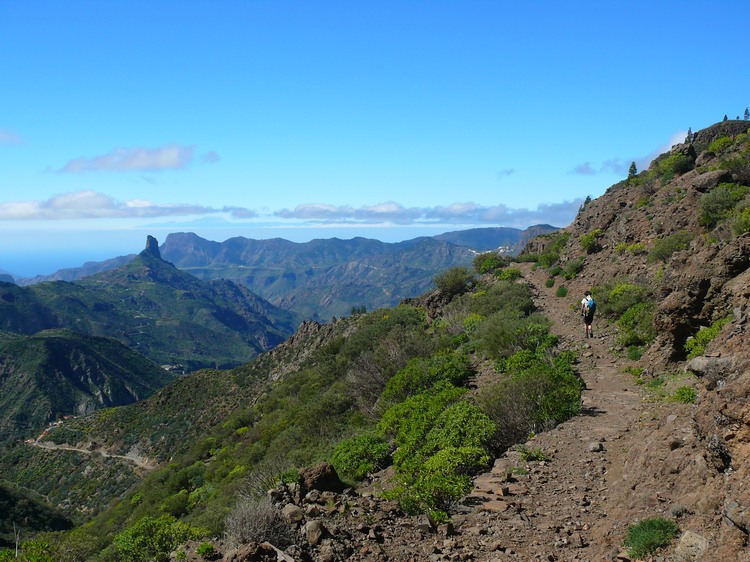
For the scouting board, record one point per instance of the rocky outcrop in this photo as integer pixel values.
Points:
(152, 248)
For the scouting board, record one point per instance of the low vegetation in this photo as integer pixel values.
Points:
(393, 391)
(696, 345)
(649, 535)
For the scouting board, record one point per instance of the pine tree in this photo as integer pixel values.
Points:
(747, 114)
(689, 138)
(725, 117)
(632, 171)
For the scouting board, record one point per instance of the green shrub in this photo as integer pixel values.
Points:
(720, 145)
(205, 550)
(441, 442)
(619, 298)
(455, 281)
(696, 345)
(461, 424)
(668, 245)
(555, 270)
(532, 455)
(573, 268)
(635, 352)
(489, 262)
(509, 274)
(685, 395)
(422, 373)
(589, 241)
(636, 325)
(504, 333)
(359, 456)
(152, 539)
(562, 291)
(410, 421)
(443, 479)
(549, 283)
(741, 221)
(678, 164)
(645, 201)
(718, 204)
(551, 255)
(537, 394)
(647, 536)
(515, 298)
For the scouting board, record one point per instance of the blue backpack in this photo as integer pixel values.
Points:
(590, 306)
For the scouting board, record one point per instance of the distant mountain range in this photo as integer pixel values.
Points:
(154, 308)
(324, 278)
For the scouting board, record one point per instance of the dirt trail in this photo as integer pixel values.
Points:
(138, 461)
(568, 507)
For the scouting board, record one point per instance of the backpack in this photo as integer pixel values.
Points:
(590, 306)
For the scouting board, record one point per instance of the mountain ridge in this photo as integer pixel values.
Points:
(324, 277)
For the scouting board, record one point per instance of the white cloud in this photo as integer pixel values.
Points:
(558, 214)
(93, 205)
(170, 157)
(81, 205)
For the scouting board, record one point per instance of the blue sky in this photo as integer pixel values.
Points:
(317, 119)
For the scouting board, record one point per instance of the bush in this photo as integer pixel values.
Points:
(718, 204)
(359, 456)
(205, 550)
(696, 345)
(589, 241)
(509, 274)
(614, 300)
(489, 262)
(649, 535)
(257, 520)
(720, 145)
(441, 442)
(532, 455)
(504, 333)
(461, 424)
(573, 268)
(514, 298)
(665, 247)
(561, 292)
(151, 539)
(549, 283)
(678, 164)
(635, 352)
(741, 222)
(685, 395)
(421, 374)
(455, 281)
(551, 255)
(637, 325)
(444, 479)
(410, 421)
(537, 394)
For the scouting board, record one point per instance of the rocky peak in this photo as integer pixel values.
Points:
(152, 247)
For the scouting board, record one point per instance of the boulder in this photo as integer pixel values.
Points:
(713, 368)
(692, 546)
(321, 477)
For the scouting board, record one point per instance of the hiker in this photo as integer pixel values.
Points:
(588, 306)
